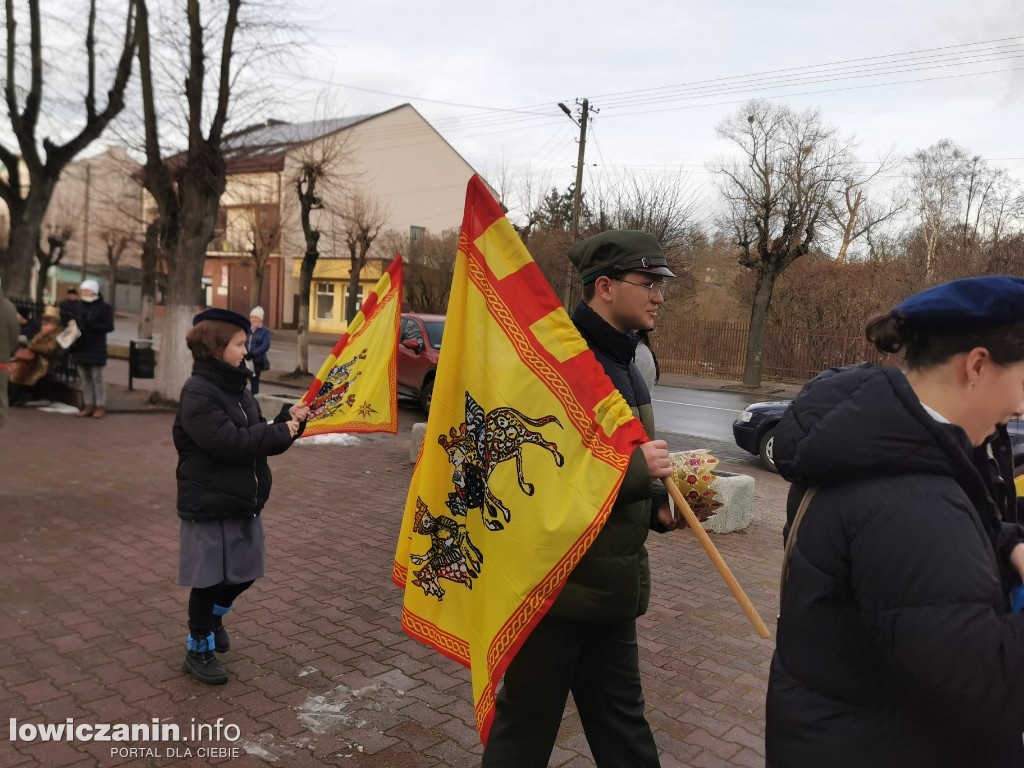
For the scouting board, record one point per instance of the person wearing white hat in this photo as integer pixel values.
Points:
(95, 319)
(258, 344)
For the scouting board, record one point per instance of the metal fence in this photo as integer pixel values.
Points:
(717, 350)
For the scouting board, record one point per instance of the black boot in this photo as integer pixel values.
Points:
(201, 662)
(222, 642)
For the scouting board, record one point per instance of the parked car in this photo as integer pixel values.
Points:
(419, 344)
(754, 430)
(1016, 430)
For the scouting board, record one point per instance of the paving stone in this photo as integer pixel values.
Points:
(92, 620)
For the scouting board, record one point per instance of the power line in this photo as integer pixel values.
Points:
(607, 97)
(823, 90)
(808, 79)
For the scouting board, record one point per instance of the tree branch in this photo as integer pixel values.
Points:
(224, 91)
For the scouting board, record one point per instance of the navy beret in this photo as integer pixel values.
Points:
(616, 252)
(224, 316)
(964, 305)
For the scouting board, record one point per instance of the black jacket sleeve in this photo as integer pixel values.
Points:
(205, 421)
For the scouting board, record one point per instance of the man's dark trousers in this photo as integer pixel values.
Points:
(599, 663)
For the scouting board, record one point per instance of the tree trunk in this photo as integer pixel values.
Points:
(26, 224)
(257, 286)
(184, 285)
(305, 285)
(353, 293)
(763, 289)
(150, 259)
(41, 279)
(302, 339)
(113, 285)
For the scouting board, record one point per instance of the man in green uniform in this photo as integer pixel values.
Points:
(587, 643)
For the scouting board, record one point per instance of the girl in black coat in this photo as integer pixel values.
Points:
(896, 644)
(223, 482)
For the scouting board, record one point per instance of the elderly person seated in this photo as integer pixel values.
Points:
(33, 362)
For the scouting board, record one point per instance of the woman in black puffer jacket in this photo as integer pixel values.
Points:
(896, 644)
(223, 482)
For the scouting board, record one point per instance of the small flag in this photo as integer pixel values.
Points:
(356, 388)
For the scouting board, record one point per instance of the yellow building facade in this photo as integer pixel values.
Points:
(329, 291)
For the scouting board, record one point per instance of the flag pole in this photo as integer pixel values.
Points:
(716, 557)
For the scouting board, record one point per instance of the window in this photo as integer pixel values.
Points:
(324, 301)
(220, 231)
(359, 297)
(411, 330)
(416, 233)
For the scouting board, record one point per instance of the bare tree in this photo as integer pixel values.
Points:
(117, 243)
(320, 171)
(364, 218)
(777, 193)
(187, 196)
(428, 269)
(935, 178)
(27, 203)
(667, 207)
(852, 213)
(56, 242)
(264, 239)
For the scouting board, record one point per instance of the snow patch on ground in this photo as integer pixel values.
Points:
(333, 438)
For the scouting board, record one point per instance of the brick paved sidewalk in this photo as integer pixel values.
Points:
(92, 623)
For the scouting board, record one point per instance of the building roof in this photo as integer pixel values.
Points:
(264, 147)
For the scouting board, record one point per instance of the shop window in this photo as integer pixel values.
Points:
(325, 301)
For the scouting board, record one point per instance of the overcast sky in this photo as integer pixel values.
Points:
(531, 55)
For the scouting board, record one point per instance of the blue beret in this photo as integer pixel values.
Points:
(965, 305)
(224, 316)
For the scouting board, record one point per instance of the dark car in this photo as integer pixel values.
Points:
(419, 344)
(1016, 430)
(754, 430)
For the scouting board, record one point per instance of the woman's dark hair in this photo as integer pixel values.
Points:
(1005, 343)
(210, 338)
(645, 339)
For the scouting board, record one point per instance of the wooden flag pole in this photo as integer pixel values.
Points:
(716, 557)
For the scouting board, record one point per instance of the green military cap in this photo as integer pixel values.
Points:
(617, 251)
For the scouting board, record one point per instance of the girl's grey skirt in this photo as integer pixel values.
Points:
(220, 552)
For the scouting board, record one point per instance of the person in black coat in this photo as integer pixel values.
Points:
(95, 319)
(258, 345)
(223, 482)
(896, 643)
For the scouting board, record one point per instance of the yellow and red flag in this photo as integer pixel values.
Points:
(526, 446)
(356, 388)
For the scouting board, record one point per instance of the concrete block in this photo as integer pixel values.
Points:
(419, 431)
(736, 492)
(271, 404)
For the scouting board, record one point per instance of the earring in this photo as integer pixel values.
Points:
(971, 383)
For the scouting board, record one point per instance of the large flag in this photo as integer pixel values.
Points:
(526, 446)
(356, 388)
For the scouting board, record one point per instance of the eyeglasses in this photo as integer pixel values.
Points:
(655, 286)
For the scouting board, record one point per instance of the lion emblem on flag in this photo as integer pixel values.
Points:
(481, 443)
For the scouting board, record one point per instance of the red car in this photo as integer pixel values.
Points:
(419, 344)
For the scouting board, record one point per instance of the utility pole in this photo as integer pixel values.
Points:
(85, 237)
(577, 197)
